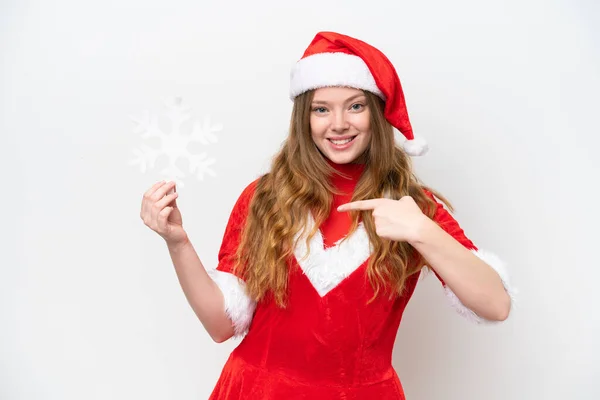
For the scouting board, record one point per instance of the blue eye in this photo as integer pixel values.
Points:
(357, 107)
(320, 109)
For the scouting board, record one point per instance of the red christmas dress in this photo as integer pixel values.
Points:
(328, 343)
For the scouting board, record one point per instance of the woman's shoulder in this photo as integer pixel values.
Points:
(250, 188)
(428, 192)
(247, 194)
(433, 194)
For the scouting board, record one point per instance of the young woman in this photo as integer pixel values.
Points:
(321, 255)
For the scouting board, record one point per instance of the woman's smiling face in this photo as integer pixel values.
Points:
(340, 123)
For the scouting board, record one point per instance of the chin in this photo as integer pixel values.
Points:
(341, 158)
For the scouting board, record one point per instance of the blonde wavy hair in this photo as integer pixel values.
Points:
(298, 184)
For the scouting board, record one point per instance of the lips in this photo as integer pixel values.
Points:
(341, 143)
(341, 140)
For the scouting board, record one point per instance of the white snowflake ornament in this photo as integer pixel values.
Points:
(174, 145)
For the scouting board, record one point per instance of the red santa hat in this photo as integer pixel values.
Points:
(333, 59)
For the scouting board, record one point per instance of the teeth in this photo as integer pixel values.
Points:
(340, 142)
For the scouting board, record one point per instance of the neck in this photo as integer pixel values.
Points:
(353, 171)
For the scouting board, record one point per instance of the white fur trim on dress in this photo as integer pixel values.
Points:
(327, 268)
(238, 305)
(331, 69)
(498, 265)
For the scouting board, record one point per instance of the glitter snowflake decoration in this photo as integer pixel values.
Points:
(174, 145)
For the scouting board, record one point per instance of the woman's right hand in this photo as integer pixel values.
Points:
(161, 214)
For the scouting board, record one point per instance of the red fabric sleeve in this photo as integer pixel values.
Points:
(445, 220)
(233, 230)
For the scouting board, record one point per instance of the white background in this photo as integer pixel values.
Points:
(506, 94)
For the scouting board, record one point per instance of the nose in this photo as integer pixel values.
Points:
(339, 123)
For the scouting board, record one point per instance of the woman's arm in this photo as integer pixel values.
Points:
(473, 281)
(476, 282)
(202, 293)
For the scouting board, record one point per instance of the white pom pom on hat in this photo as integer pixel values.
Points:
(415, 147)
(333, 59)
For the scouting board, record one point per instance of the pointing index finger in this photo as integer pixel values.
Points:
(360, 205)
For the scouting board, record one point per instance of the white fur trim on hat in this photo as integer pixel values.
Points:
(239, 307)
(332, 69)
(498, 265)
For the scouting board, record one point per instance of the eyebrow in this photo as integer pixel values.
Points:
(347, 100)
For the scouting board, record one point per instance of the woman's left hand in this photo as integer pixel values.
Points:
(399, 220)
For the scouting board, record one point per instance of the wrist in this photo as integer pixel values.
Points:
(422, 229)
(178, 246)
